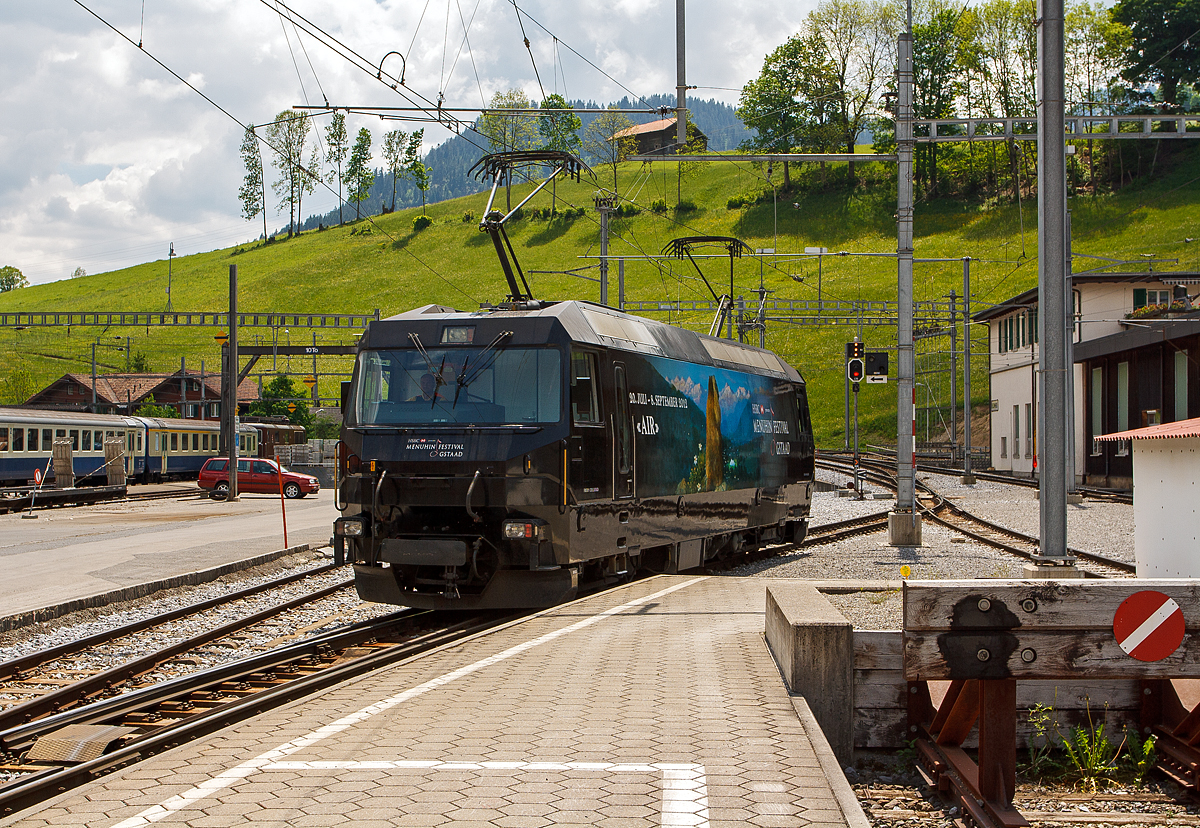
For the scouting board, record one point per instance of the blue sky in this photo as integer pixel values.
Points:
(105, 159)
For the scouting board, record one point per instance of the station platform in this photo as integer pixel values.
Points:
(656, 704)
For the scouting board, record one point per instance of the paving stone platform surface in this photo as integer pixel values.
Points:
(654, 705)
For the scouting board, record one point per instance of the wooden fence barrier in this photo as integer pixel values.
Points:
(984, 636)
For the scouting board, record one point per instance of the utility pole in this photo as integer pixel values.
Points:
(680, 79)
(904, 524)
(605, 205)
(1053, 560)
(93, 377)
(170, 259)
(231, 371)
(621, 284)
(967, 478)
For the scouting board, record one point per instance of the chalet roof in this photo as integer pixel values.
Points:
(641, 129)
(1163, 431)
(1029, 298)
(121, 389)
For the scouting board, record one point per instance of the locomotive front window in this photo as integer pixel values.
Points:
(584, 405)
(459, 386)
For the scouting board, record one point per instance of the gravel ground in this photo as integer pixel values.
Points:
(1095, 526)
(337, 610)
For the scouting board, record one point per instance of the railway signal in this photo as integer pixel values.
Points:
(855, 366)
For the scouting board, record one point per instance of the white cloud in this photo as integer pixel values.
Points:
(105, 158)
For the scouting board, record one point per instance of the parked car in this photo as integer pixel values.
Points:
(255, 476)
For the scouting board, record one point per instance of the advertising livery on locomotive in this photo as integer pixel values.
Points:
(506, 457)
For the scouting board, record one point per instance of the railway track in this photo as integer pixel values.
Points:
(60, 677)
(61, 751)
(943, 511)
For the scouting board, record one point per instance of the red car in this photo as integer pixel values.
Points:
(255, 476)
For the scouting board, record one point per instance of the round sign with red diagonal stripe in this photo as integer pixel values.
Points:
(1149, 625)
(37, 477)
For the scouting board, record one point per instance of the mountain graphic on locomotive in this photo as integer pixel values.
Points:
(507, 457)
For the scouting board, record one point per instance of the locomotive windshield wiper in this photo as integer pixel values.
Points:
(437, 372)
(464, 380)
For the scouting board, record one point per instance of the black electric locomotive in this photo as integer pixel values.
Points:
(505, 457)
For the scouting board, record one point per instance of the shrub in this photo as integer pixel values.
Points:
(421, 222)
(468, 217)
(658, 206)
(686, 206)
(626, 210)
(736, 202)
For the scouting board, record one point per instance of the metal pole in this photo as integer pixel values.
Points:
(1069, 306)
(126, 355)
(967, 477)
(232, 370)
(846, 426)
(731, 294)
(170, 259)
(680, 77)
(1052, 266)
(316, 394)
(820, 259)
(953, 374)
(604, 204)
(904, 525)
(93, 377)
(620, 284)
(857, 473)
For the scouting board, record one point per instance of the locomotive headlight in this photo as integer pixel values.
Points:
(349, 527)
(523, 530)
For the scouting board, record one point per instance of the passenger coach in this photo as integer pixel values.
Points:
(505, 457)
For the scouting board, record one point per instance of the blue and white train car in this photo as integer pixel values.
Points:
(155, 449)
(178, 448)
(27, 438)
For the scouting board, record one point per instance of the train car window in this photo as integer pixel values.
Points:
(47, 439)
(86, 442)
(18, 443)
(110, 434)
(139, 442)
(584, 407)
(474, 385)
(74, 439)
(624, 432)
(3, 439)
(196, 442)
(60, 432)
(204, 442)
(174, 441)
(31, 442)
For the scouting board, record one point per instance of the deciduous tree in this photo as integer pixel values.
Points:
(395, 145)
(602, 144)
(1165, 47)
(337, 144)
(253, 192)
(359, 175)
(559, 131)
(11, 279)
(509, 133)
(287, 135)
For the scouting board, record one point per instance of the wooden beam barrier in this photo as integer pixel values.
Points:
(984, 636)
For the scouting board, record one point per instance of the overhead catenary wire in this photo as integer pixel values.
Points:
(258, 137)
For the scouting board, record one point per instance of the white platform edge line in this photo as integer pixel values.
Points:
(223, 780)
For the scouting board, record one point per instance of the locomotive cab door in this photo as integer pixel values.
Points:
(588, 433)
(623, 451)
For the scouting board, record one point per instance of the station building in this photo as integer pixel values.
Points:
(1135, 353)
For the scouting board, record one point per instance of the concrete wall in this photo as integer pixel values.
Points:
(813, 644)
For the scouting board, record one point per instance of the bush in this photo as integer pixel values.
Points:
(658, 206)
(421, 222)
(736, 202)
(686, 206)
(626, 210)
(468, 217)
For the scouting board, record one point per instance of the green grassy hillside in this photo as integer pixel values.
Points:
(384, 264)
